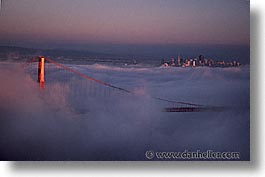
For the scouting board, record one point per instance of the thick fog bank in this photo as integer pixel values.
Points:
(50, 125)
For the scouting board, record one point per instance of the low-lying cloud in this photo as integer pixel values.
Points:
(64, 122)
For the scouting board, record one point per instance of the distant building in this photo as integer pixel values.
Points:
(179, 60)
(195, 62)
(220, 63)
(188, 63)
(209, 62)
(201, 60)
(165, 64)
(173, 62)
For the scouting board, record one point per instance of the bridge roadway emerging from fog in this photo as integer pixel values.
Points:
(48, 72)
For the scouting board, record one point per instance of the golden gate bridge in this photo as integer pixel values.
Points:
(63, 79)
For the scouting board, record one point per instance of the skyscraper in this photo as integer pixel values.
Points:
(179, 60)
(201, 60)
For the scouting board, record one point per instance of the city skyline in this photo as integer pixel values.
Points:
(200, 61)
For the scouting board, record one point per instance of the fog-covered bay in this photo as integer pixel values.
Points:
(53, 125)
